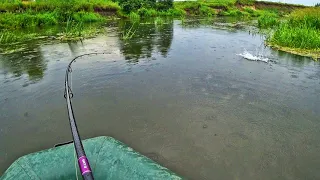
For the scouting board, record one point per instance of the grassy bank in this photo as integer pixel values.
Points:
(72, 16)
(23, 14)
(298, 33)
(17, 14)
(300, 30)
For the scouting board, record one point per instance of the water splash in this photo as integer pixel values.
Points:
(247, 55)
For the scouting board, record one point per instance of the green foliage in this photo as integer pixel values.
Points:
(195, 8)
(7, 37)
(235, 12)
(134, 16)
(248, 10)
(219, 3)
(52, 12)
(176, 12)
(144, 12)
(207, 11)
(158, 21)
(317, 5)
(10, 6)
(86, 17)
(189, 6)
(62, 5)
(134, 5)
(29, 19)
(308, 17)
(164, 5)
(10, 20)
(268, 20)
(129, 33)
(301, 30)
(302, 37)
(246, 2)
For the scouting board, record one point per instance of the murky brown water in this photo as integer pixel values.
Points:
(178, 94)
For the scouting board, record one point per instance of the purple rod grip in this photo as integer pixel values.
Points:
(84, 165)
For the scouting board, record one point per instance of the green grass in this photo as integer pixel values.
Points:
(86, 17)
(66, 5)
(268, 20)
(7, 37)
(129, 33)
(301, 30)
(147, 12)
(246, 2)
(158, 21)
(219, 3)
(308, 17)
(17, 14)
(292, 37)
(134, 16)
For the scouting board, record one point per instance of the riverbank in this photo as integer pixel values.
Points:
(298, 33)
(22, 20)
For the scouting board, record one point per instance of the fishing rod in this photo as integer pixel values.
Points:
(83, 161)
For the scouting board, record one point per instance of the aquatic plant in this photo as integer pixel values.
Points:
(128, 34)
(158, 21)
(8, 37)
(134, 16)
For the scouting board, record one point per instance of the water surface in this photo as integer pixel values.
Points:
(178, 94)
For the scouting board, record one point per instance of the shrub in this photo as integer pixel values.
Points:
(144, 12)
(176, 12)
(235, 12)
(163, 5)
(133, 5)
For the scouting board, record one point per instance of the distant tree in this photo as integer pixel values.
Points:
(317, 5)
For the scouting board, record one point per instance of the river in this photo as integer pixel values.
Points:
(177, 93)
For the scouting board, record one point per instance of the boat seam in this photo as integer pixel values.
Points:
(27, 171)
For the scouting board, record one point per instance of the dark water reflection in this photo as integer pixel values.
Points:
(29, 62)
(178, 94)
(147, 38)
